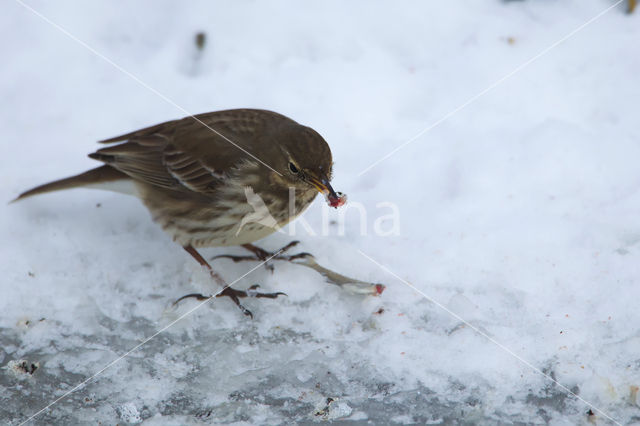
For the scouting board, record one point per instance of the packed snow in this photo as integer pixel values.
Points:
(515, 218)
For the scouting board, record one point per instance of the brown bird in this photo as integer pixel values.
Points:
(221, 178)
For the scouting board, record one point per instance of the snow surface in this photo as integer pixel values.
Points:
(519, 214)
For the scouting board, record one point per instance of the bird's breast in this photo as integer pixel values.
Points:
(241, 211)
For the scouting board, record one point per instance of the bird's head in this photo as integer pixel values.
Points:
(306, 162)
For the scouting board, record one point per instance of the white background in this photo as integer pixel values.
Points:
(519, 214)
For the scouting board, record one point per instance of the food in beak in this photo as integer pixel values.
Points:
(335, 199)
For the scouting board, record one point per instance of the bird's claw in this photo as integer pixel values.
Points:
(260, 254)
(197, 296)
(251, 292)
(235, 296)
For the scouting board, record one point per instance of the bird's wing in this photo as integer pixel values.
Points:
(195, 153)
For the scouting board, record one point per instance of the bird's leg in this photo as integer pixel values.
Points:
(631, 6)
(351, 285)
(227, 291)
(263, 255)
(201, 260)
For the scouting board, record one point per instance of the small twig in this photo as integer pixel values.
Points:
(351, 285)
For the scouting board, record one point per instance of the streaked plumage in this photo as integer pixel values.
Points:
(193, 179)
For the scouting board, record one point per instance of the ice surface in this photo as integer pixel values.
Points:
(519, 214)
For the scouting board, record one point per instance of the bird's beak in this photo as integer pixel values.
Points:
(323, 186)
(334, 199)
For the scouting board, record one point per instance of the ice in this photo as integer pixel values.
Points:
(518, 216)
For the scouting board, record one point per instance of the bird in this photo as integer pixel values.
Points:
(222, 178)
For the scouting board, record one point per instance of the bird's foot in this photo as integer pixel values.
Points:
(235, 296)
(260, 254)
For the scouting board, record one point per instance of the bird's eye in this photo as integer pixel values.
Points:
(293, 168)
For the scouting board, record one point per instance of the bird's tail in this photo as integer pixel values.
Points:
(104, 177)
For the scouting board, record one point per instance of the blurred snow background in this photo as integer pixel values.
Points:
(519, 214)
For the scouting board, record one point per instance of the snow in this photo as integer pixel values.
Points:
(518, 214)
